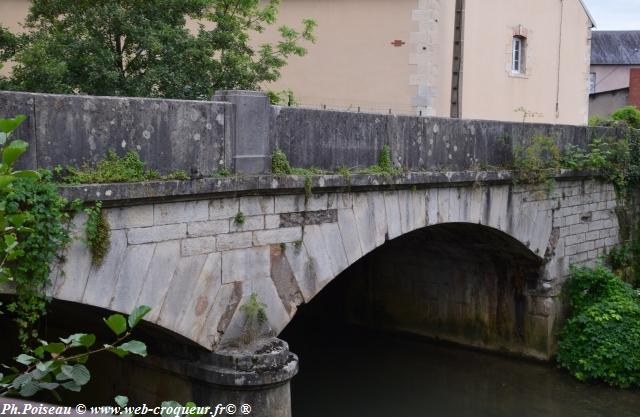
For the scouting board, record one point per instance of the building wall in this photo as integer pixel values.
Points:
(12, 13)
(605, 103)
(611, 77)
(353, 63)
(490, 90)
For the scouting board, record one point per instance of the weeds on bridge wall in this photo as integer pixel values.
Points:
(47, 230)
(114, 168)
(255, 317)
(223, 172)
(280, 166)
(615, 160)
(239, 219)
(98, 233)
(538, 162)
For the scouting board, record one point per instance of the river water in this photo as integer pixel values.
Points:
(354, 373)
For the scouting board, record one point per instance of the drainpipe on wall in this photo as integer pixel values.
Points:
(458, 51)
(559, 61)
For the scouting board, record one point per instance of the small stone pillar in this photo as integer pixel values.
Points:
(257, 376)
(247, 145)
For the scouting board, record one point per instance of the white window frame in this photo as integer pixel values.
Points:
(518, 53)
(593, 79)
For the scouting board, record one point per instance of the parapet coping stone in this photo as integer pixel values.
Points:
(236, 186)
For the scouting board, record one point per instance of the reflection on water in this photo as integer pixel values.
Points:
(358, 374)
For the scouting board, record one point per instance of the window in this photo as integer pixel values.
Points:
(592, 83)
(518, 54)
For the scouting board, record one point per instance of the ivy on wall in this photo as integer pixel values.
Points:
(35, 223)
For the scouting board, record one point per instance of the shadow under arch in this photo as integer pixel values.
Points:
(464, 283)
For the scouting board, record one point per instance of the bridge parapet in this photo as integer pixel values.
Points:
(241, 130)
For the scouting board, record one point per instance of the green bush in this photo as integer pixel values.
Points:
(601, 339)
(628, 114)
(280, 163)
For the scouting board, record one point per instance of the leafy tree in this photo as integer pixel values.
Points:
(144, 48)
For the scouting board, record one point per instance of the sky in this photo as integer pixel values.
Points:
(615, 14)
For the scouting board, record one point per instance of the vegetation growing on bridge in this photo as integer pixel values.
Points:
(239, 219)
(618, 161)
(538, 162)
(280, 165)
(113, 169)
(47, 230)
(255, 317)
(98, 233)
(35, 223)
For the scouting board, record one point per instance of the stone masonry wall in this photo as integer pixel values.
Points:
(332, 139)
(195, 266)
(241, 133)
(168, 135)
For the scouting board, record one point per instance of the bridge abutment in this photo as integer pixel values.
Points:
(253, 378)
(249, 379)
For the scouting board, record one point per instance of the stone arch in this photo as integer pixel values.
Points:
(367, 220)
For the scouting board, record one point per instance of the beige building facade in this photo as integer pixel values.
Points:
(404, 57)
(12, 14)
(480, 59)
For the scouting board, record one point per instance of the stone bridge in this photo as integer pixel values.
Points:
(457, 252)
(187, 257)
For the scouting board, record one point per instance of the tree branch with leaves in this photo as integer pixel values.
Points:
(147, 48)
(61, 364)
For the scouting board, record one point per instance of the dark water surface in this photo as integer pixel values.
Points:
(359, 374)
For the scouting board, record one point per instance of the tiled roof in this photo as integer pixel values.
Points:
(615, 47)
